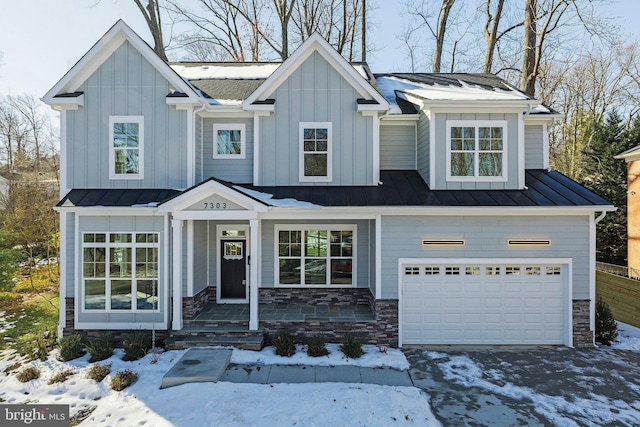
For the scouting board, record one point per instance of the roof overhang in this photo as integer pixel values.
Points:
(209, 188)
(118, 34)
(630, 155)
(315, 43)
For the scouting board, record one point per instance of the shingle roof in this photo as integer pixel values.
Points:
(487, 81)
(234, 89)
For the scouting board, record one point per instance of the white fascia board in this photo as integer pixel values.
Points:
(217, 114)
(541, 118)
(180, 102)
(474, 107)
(100, 52)
(66, 102)
(313, 44)
(217, 215)
(207, 189)
(371, 107)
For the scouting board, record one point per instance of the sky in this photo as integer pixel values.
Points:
(41, 39)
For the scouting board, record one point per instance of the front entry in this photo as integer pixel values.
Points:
(233, 271)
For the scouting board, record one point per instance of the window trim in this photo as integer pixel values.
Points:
(112, 150)
(477, 124)
(315, 125)
(134, 279)
(322, 227)
(230, 126)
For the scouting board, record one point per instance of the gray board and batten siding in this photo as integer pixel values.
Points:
(398, 147)
(316, 92)
(124, 224)
(485, 237)
(234, 170)
(423, 153)
(126, 84)
(533, 147)
(439, 120)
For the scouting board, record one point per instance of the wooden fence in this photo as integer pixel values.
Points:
(622, 294)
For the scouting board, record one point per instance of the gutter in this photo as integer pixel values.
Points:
(600, 217)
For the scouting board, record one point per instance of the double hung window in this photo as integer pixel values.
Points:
(476, 150)
(315, 152)
(126, 139)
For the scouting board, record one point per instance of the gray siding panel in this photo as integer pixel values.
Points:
(398, 147)
(126, 84)
(316, 92)
(200, 256)
(125, 224)
(533, 147)
(423, 152)
(70, 254)
(440, 122)
(235, 170)
(485, 238)
(363, 255)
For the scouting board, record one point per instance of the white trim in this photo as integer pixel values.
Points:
(592, 271)
(191, 146)
(323, 227)
(301, 151)
(545, 146)
(378, 243)
(219, 238)
(190, 263)
(218, 215)
(476, 152)
(176, 323)
(79, 289)
(432, 149)
(201, 142)
(166, 257)
(399, 120)
(64, 189)
(107, 211)
(207, 189)
(112, 157)
(521, 152)
(230, 127)
(375, 122)
(567, 283)
(315, 43)
(254, 237)
(62, 266)
(122, 325)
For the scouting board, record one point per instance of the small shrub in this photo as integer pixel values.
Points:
(316, 347)
(285, 344)
(39, 344)
(123, 379)
(61, 376)
(97, 372)
(71, 347)
(351, 347)
(136, 345)
(100, 348)
(606, 327)
(27, 374)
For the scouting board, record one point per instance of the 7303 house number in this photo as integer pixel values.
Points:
(217, 205)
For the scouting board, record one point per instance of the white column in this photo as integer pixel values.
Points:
(177, 274)
(254, 232)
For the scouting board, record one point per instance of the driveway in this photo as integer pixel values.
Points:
(531, 387)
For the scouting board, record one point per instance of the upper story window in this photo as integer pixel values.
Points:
(229, 141)
(126, 139)
(476, 150)
(315, 152)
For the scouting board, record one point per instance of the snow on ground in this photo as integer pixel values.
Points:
(628, 337)
(228, 404)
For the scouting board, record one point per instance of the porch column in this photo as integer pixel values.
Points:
(176, 324)
(254, 232)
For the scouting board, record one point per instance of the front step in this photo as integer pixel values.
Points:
(200, 336)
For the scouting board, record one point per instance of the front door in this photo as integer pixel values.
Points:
(233, 270)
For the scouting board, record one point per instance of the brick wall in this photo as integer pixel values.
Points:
(583, 335)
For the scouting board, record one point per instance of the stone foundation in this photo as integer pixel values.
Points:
(311, 296)
(191, 306)
(583, 335)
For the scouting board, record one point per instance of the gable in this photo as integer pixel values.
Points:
(215, 202)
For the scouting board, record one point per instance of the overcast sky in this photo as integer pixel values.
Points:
(41, 39)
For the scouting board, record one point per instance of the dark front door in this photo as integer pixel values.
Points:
(233, 269)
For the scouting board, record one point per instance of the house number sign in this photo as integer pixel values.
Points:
(216, 205)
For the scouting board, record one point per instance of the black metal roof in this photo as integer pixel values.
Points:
(116, 197)
(407, 188)
(399, 188)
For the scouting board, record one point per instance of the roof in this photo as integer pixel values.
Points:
(630, 155)
(116, 197)
(407, 188)
(227, 89)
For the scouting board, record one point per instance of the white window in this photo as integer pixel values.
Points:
(229, 141)
(315, 152)
(315, 255)
(476, 150)
(120, 272)
(126, 143)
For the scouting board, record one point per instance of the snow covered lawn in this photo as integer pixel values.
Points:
(207, 404)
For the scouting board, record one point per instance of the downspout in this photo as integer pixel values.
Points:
(379, 120)
(600, 217)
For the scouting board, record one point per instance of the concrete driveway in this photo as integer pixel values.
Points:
(529, 387)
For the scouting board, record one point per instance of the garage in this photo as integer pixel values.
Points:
(488, 303)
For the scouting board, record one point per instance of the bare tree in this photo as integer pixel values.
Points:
(151, 13)
(491, 26)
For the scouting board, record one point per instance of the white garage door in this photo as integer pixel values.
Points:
(482, 304)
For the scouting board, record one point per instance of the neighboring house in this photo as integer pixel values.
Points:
(314, 196)
(633, 209)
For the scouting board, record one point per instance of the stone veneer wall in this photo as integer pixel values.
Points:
(583, 335)
(191, 306)
(383, 330)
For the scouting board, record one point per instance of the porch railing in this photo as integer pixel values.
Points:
(618, 270)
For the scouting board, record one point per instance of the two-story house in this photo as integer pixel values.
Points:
(315, 196)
